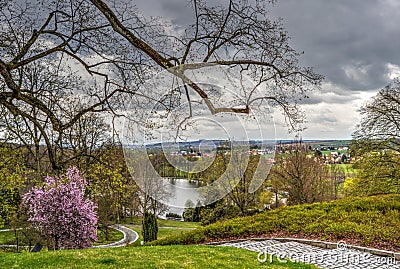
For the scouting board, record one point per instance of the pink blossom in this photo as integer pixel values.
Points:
(61, 213)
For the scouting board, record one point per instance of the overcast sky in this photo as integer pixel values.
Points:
(355, 44)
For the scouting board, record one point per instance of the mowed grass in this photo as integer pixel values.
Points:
(143, 257)
(328, 152)
(173, 228)
(180, 224)
(8, 238)
(113, 236)
(162, 232)
(166, 228)
(164, 223)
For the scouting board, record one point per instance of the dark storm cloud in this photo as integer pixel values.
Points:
(351, 42)
(328, 98)
(178, 12)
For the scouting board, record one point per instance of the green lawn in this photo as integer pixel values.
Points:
(162, 232)
(8, 238)
(328, 152)
(347, 168)
(174, 227)
(113, 236)
(143, 257)
(181, 224)
(26, 237)
(165, 223)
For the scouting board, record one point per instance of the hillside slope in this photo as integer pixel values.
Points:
(370, 221)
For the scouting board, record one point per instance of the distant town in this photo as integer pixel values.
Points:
(331, 151)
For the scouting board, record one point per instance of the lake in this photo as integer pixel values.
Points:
(182, 190)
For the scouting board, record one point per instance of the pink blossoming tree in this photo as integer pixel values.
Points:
(61, 213)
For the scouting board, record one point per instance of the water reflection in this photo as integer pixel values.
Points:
(182, 190)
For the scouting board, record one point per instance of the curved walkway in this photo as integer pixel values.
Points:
(10, 230)
(337, 255)
(130, 236)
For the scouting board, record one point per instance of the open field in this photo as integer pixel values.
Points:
(348, 168)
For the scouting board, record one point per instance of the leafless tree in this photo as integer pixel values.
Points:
(232, 176)
(380, 124)
(82, 144)
(152, 196)
(107, 50)
(304, 177)
(337, 175)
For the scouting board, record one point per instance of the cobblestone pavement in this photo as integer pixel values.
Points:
(341, 257)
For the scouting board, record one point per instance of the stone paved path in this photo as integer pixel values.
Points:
(130, 236)
(342, 258)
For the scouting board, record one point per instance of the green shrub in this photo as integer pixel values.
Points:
(173, 215)
(369, 219)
